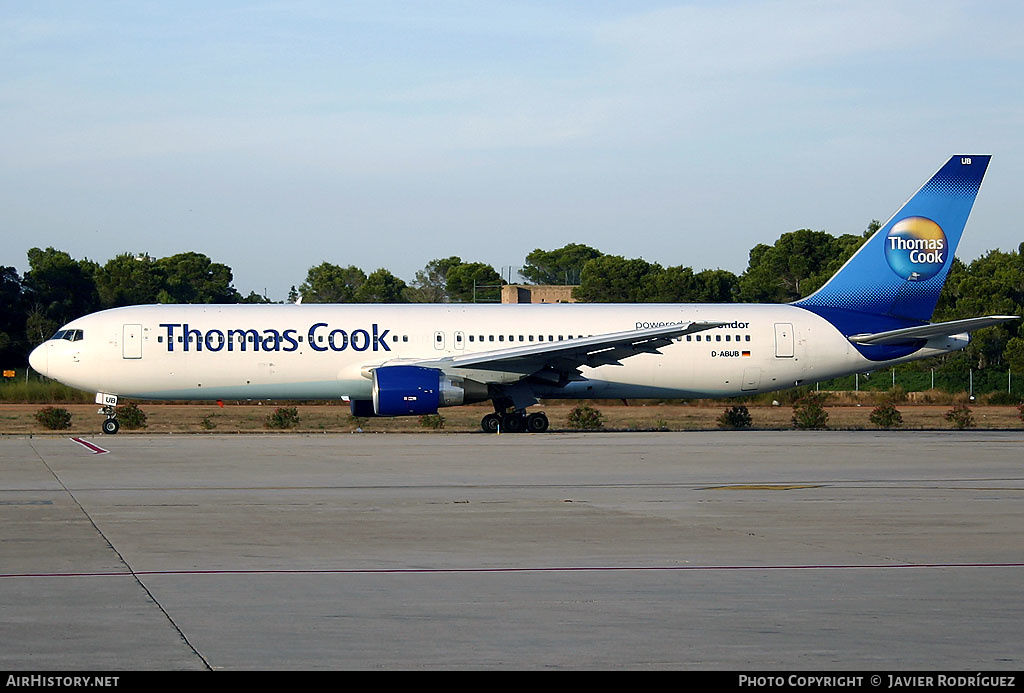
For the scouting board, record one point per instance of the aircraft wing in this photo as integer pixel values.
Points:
(937, 329)
(558, 362)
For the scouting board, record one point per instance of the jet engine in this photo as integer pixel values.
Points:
(417, 390)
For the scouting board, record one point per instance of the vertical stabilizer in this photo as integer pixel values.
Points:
(896, 276)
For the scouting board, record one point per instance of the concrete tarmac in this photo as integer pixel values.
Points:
(707, 550)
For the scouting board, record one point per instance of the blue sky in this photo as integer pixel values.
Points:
(273, 136)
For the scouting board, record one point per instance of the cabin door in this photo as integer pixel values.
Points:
(131, 342)
(784, 340)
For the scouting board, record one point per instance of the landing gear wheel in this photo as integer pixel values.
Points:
(490, 423)
(111, 426)
(513, 423)
(537, 422)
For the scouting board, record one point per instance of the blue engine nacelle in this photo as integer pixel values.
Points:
(406, 390)
(417, 390)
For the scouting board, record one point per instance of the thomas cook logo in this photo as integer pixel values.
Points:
(916, 248)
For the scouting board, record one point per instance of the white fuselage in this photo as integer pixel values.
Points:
(324, 351)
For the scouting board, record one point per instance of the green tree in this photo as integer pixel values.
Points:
(382, 287)
(1013, 353)
(991, 284)
(682, 285)
(193, 278)
(779, 273)
(128, 280)
(59, 287)
(431, 283)
(614, 279)
(254, 297)
(12, 317)
(38, 327)
(471, 281)
(560, 266)
(716, 286)
(844, 248)
(329, 283)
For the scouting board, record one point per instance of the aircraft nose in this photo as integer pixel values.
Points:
(39, 359)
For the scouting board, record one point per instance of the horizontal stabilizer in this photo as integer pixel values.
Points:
(938, 329)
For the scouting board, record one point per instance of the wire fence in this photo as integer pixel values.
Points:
(974, 382)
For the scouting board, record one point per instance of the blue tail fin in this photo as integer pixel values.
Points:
(896, 276)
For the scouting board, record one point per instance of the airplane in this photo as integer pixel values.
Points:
(408, 360)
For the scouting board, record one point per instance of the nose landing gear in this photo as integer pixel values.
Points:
(110, 425)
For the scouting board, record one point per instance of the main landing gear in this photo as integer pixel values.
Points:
(514, 422)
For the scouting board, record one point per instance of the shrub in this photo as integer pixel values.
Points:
(208, 424)
(1002, 398)
(735, 417)
(1020, 409)
(54, 418)
(960, 416)
(131, 417)
(897, 394)
(283, 417)
(809, 412)
(886, 416)
(435, 421)
(586, 418)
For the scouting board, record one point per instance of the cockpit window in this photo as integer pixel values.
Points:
(59, 334)
(70, 335)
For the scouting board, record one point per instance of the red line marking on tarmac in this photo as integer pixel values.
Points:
(92, 447)
(563, 569)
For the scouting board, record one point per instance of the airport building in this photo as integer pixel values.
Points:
(537, 293)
